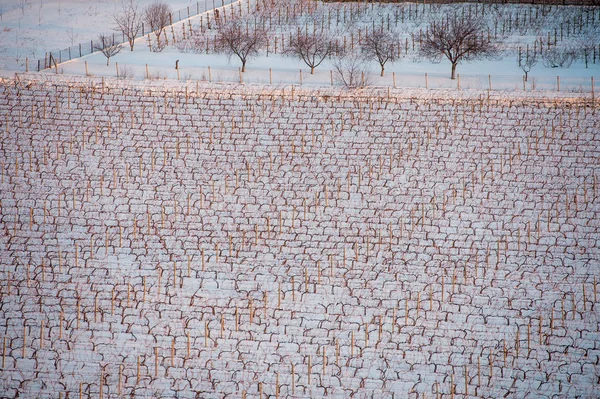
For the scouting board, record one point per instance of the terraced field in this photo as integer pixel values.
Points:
(227, 241)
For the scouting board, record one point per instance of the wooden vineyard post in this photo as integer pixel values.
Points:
(426, 81)
(101, 384)
(78, 312)
(466, 381)
(293, 380)
(119, 387)
(188, 344)
(478, 371)
(156, 361)
(237, 319)
(206, 334)
(309, 371)
(173, 352)
(174, 274)
(442, 288)
(24, 342)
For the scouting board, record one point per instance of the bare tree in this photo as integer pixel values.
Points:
(129, 20)
(527, 61)
(380, 45)
(458, 38)
(72, 35)
(157, 15)
(108, 46)
(312, 48)
(237, 38)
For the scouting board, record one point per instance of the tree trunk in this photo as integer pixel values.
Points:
(453, 76)
(382, 69)
(312, 70)
(526, 76)
(131, 42)
(107, 60)
(243, 65)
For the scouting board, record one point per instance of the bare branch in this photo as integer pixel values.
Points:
(129, 20)
(237, 38)
(108, 46)
(458, 38)
(380, 45)
(526, 62)
(312, 48)
(350, 70)
(157, 15)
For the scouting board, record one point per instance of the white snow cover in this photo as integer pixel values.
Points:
(167, 239)
(30, 30)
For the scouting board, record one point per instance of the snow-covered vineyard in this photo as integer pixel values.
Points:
(229, 241)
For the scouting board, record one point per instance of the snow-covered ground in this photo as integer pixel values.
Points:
(32, 28)
(36, 29)
(193, 239)
(163, 239)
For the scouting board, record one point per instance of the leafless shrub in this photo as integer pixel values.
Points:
(556, 57)
(381, 46)
(312, 48)
(108, 46)
(129, 20)
(458, 38)
(194, 43)
(158, 74)
(237, 38)
(351, 71)
(125, 72)
(157, 15)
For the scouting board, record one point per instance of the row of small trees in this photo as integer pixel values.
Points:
(131, 16)
(129, 20)
(458, 38)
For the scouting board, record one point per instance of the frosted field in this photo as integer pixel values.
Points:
(30, 30)
(243, 241)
